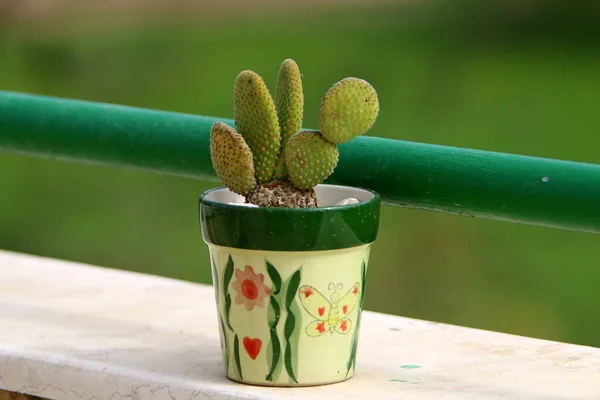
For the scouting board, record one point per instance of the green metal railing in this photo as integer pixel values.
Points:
(499, 186)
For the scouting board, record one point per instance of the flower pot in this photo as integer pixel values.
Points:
(289, 284)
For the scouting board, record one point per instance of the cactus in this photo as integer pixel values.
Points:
(289, 103)
(310, 158)
(232, 159)
(270, 160)
(348, 109)
(256, 120)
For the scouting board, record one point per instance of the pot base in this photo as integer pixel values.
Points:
(292, 385)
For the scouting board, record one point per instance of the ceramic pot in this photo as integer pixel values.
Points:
(289, 284)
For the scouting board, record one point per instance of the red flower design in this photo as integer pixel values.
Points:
(344, 325)
(307, 292)
(250, 287)
(321, 327)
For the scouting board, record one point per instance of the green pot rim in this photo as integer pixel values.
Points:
(289, 229)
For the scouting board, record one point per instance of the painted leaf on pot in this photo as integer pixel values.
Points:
(224, 343)
(275, 345)
(351, 364)
(215, 279)
(275, 277)
(290, 323)
(226, 280)
(236, 355)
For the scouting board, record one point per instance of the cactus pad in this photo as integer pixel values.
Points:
(348, 109)
(232, 159)
(256, 120)
(289, 102)
(310, 158)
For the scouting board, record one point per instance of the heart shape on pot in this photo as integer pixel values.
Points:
(252, 346)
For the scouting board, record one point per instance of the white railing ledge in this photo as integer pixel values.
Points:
(73, 331)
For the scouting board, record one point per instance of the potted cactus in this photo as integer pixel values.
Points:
(289, 254)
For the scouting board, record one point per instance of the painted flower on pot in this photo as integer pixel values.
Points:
(250, 287)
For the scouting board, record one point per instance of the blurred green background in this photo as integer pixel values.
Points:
(519, 76)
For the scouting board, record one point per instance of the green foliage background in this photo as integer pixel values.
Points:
(474, 77)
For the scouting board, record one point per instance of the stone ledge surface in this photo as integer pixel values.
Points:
(74, 331)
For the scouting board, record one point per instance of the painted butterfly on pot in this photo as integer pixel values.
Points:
(330, 314)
